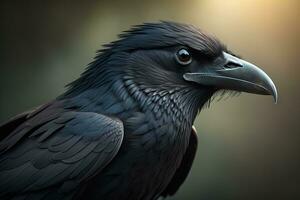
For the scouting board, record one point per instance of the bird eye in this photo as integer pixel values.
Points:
(183, 57)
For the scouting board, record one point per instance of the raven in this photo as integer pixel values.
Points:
(124, 128)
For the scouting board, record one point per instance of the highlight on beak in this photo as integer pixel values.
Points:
(235, 74)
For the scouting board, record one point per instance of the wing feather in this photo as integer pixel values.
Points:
(57, 148)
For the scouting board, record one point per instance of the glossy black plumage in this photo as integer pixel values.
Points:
(123, 130)
(59, 145)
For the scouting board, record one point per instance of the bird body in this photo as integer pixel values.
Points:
(151, 147)
(123, 130)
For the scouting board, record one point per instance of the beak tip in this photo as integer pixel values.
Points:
(273, 92)
(275, 96)
(275, 99)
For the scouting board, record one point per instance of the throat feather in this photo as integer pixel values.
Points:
(180, 103)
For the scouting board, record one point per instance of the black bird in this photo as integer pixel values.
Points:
(123, 130)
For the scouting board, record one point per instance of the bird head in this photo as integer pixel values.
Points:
(171, 56)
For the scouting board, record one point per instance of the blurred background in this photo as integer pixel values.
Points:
(249, 148)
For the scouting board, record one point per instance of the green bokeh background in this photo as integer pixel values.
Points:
(248, 146)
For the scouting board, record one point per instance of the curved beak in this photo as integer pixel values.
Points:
(235, 74)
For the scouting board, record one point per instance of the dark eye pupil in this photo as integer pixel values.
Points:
(183, 56)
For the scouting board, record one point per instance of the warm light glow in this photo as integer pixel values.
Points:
(247, 145)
